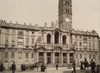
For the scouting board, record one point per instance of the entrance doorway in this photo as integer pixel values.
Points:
(49, 58)
(71, 57)
(41, 57)
(56, 58)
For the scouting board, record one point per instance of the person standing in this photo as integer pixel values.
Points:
(81, 65)
(93, 65)
(1, 67)
(74, 67)
(43, 68)
(13, 67)
(56, 66)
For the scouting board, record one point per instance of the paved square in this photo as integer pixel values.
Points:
(51, 70)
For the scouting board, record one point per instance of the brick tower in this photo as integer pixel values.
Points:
(65, 14)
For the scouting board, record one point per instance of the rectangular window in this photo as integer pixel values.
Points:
(65, 2)
(76, 36)
(19, 55)
(89, 45)
(6, 55)
(12, 55)
(27, 39)
(32, 55)
(27, 55)
(89, 56)
(32, 40)
(64, 58)
(80, 44)
(93, 45)
(77, 56)
(80, 56)
(93, 56)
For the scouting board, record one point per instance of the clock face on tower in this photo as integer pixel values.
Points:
(67, 19)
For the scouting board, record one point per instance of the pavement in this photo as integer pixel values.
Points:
(51, 70)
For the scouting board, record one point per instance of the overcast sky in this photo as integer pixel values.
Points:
(86, 13)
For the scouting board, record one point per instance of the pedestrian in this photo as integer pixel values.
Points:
(13, 67)
(81, 65)
(1, 67)
(74, 67)
(86, 64)
(43, 68)
(56, 66)
(93, 65)
(37, 65)
(22, 67)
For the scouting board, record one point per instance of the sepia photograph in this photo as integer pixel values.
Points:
(49, 36)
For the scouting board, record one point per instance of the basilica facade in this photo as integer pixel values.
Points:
(59, 44)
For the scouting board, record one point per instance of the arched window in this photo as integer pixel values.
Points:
(64, 39)
(56, 37)
(48, 38)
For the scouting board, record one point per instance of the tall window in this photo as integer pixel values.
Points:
(93, 45)
(12, 55)
(32, 40)
(77, 56)
(64, 39)
(56, 37)
(64, 58)
(80, 56)
(19, 55)
(6, 55)
(6, 39)
(13, 41)
(48, 38)
(27, 55)
(80, 44)
(94, 56)
(27, 39)
(32, 55)
(89, 56)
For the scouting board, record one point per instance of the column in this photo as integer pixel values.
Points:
(60, 38)
(61, 58)
(53, 58)
(37, 56)
(53, 37)
(45, 57)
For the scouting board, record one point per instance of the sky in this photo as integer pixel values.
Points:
(86, 13)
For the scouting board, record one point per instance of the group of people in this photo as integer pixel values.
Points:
(85, 65)
(31, 67)
(2, 68)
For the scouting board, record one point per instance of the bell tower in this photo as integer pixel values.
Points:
(65, 14)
